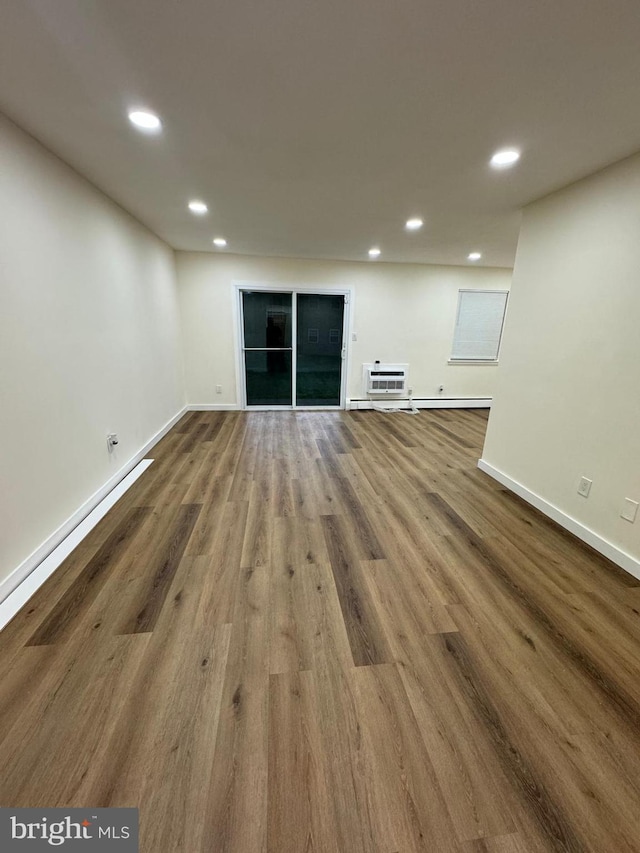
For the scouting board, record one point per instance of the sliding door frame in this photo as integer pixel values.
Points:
(275, 287)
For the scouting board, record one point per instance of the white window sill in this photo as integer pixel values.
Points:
(469, 361)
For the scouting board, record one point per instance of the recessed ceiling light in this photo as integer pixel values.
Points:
(220, 242)
(198, 207)
(374, 252)
(145, 120)
(474, 256)
(504, 159)
(414, 224)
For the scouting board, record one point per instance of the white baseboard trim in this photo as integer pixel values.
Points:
(34, 580)
(422, 403)
(22, 572)
(427, 403)
(598, 543)
(213, 407)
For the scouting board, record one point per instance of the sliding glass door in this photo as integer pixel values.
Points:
(268, 352)
(278, 373)
(319, 349)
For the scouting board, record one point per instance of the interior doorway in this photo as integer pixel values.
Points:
(293, 347)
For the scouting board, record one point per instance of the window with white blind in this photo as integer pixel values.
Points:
(479, 322)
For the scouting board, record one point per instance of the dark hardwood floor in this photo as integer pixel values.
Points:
(330, 632)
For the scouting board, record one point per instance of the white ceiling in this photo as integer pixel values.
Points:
(315, 128)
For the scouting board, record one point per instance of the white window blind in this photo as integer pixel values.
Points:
(479, 325)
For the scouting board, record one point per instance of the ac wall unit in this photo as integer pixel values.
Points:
(382, 380)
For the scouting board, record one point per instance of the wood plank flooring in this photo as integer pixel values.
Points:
(330, 632)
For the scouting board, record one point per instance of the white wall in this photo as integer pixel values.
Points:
(402, 313)
(568, 397)
(89, 341)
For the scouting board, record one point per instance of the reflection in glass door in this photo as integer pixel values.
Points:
(319, 349)
(267, 327)
(276, 373)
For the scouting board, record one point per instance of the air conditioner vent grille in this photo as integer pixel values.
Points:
(381, 381)
(387, 384)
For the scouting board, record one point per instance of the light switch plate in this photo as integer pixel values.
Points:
(629, 510)
(584, 486)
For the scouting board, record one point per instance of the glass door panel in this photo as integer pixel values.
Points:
(267, 345)
(268, 378)
(319, 349)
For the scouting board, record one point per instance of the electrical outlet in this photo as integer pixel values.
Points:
(112, 441)
(629, 510)
(218, 389)
(584, 486)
